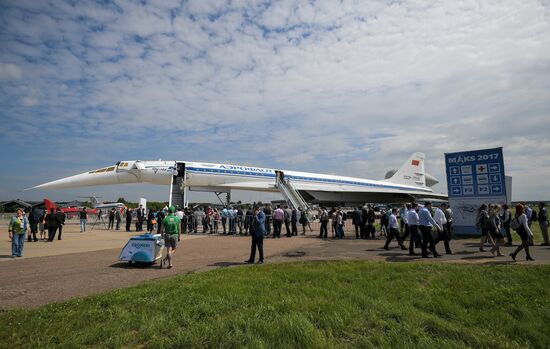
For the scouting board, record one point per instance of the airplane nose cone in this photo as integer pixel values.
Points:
(98, 177)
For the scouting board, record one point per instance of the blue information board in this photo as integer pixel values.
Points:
(477, 173)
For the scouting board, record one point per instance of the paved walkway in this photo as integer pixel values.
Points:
(73, 241)
(52, 272)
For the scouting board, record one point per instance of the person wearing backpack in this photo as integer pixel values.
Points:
(519, 224)
(543, 223)
(482, 224)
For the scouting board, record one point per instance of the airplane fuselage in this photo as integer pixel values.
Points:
(407, 183)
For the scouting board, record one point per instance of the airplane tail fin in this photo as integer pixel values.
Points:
(48, 204)
(411, 172)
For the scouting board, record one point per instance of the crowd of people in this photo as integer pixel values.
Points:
(424, 226)
(495, 222)
(34, 226)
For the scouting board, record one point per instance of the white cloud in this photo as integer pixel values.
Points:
(351, 87)
(29, 101)
(9, 71)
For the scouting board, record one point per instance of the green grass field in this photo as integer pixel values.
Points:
(305, 305)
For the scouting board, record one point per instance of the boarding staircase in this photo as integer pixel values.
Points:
(291, 195)
(177, 189)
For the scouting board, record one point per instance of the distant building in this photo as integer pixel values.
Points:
(13, 205)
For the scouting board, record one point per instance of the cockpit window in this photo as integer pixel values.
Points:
(105, 169)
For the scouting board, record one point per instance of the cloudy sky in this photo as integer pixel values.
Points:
(342, 87)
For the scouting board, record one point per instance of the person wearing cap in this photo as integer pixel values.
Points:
(172, 234)
(257, 232)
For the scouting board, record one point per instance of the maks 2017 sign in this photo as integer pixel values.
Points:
(474, 178)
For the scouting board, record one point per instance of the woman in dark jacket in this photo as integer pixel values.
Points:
(51, 223)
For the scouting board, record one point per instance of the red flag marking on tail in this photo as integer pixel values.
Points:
(415, 162)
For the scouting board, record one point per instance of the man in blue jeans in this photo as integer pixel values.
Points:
(83, 217)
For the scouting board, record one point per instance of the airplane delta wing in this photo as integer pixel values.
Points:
(407, 183)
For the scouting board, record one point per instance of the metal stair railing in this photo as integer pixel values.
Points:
(291, 195)
(177, 188)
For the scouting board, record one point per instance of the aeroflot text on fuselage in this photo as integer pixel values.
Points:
(244, 168)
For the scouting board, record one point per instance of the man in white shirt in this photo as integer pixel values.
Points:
(426, 222)
(404, 219)
(394, 231)
(412, 220)
(439, 217)
(180, 215)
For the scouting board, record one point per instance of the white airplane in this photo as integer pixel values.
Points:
(102, 205)
(299, 188)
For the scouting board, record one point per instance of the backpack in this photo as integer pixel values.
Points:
(514, 224)
(482, 221)
(534, 217)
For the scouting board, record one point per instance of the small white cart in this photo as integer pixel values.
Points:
(146, 248)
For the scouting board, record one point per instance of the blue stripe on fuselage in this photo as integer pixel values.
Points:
(228, 172)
